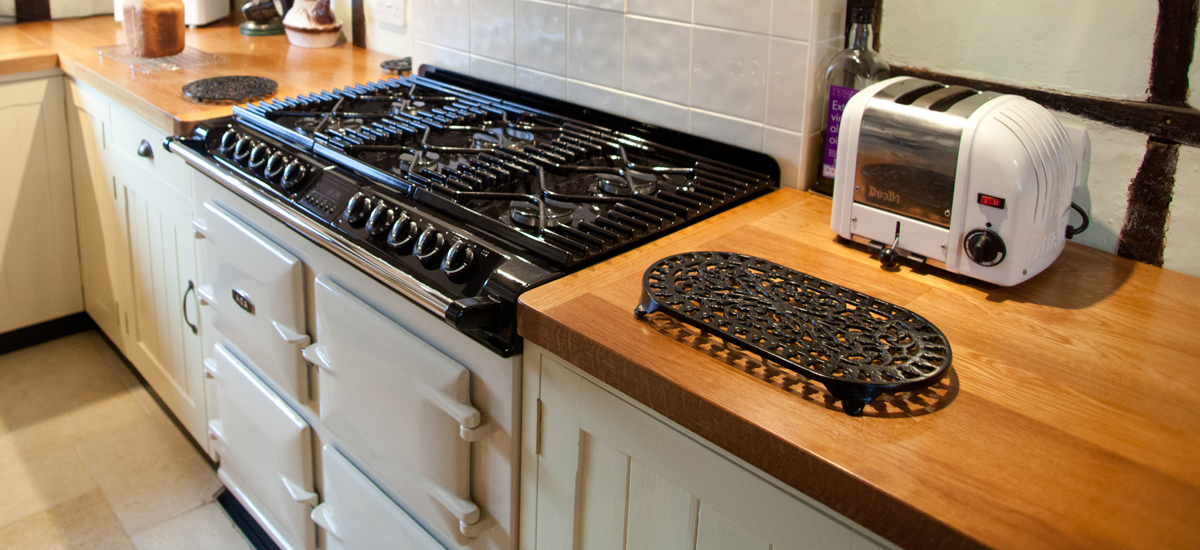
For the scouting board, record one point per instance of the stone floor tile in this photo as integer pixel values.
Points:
(205, 528)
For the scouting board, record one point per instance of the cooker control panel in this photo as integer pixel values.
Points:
(264, 160)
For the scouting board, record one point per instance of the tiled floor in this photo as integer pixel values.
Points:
(88, 460)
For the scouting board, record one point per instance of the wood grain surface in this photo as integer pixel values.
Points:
(158, 96)
(1068, 418)
(21, 54)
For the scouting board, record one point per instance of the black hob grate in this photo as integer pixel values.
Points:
(858, 346)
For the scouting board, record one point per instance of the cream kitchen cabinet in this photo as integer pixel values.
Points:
(138, 250)
(39, 266)
(600, 472)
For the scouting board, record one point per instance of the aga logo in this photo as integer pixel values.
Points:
(888, 196)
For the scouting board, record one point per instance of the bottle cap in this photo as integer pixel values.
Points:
(861, 15)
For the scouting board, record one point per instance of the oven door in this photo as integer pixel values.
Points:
(266, 452)
(357, 515)
(398, 406)
(256, 290)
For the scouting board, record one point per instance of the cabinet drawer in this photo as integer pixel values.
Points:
(128, 133)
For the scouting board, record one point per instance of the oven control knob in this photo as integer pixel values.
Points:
(380, 220)
(356, 209)
(984, 247)
(259, 154)
(241, 150)
(228, 140)
(429, 244)
(276, 164)
(458, 258)
(403, 231)
(292, 174)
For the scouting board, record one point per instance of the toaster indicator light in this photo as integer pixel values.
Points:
(988, 200)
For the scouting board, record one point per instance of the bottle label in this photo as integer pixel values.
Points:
(838, 97)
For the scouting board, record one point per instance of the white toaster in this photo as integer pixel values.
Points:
(977, 183)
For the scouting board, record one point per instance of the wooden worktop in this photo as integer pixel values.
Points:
(1069, 417)
(158, 96)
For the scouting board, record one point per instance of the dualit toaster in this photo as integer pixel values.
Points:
(977, 183)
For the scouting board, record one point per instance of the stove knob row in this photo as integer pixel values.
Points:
(429, 244)
(356, 209)
(403, 231)
(380, 220)
(458, 258)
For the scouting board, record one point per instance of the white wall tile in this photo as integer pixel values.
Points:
(787, 82)
(596, 97)
(492, 70)
(729, 72)
(788, 149)
(595, 40)
(492, 29)
(447, 58)
(542, 83)
(667, 115)
(742, 15)
(615, 5)
(658, 58)
(542, 36)
(421, 21)
(733, 131)
(422, 53)
(450, 23)
(792, 19)
(678, 10)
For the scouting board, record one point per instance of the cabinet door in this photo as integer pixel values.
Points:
(39, 265)
(98, 211)
(609, 475)
(162, 339)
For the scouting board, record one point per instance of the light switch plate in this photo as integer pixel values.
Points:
(390, 11)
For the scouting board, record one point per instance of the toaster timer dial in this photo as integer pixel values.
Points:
(984, 247)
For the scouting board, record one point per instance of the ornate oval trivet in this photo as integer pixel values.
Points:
(223, 89)
(857, 346)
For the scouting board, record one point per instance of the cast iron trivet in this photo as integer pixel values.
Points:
(223, 89)
(398, 66)
(857, 346)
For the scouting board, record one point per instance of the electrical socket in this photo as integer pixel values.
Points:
(390, 11)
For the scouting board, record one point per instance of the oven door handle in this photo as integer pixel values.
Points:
(317, 355)
(322, 516)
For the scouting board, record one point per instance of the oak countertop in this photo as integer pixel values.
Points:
(158, 96)
(1067, 420)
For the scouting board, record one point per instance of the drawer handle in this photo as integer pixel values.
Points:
(191, 288)
(145, 150)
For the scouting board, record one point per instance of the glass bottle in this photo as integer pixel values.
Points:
(850, 70)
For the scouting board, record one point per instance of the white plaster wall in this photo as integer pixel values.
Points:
(387, 37)
(1092, 47)
(1116, 156)
(1183, 229)
(739, 71)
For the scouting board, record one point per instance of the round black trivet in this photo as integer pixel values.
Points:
(225, 89)
(397, 66)
(857, 346)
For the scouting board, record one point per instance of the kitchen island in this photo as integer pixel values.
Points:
(1067, 419)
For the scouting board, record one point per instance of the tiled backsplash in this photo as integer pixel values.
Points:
(744, 72)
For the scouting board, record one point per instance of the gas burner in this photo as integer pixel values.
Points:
(637, 183)
(502, 137)
(526, 215)
(412, 161)
(309, 126)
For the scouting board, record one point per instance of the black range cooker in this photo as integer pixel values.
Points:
(461, 194)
